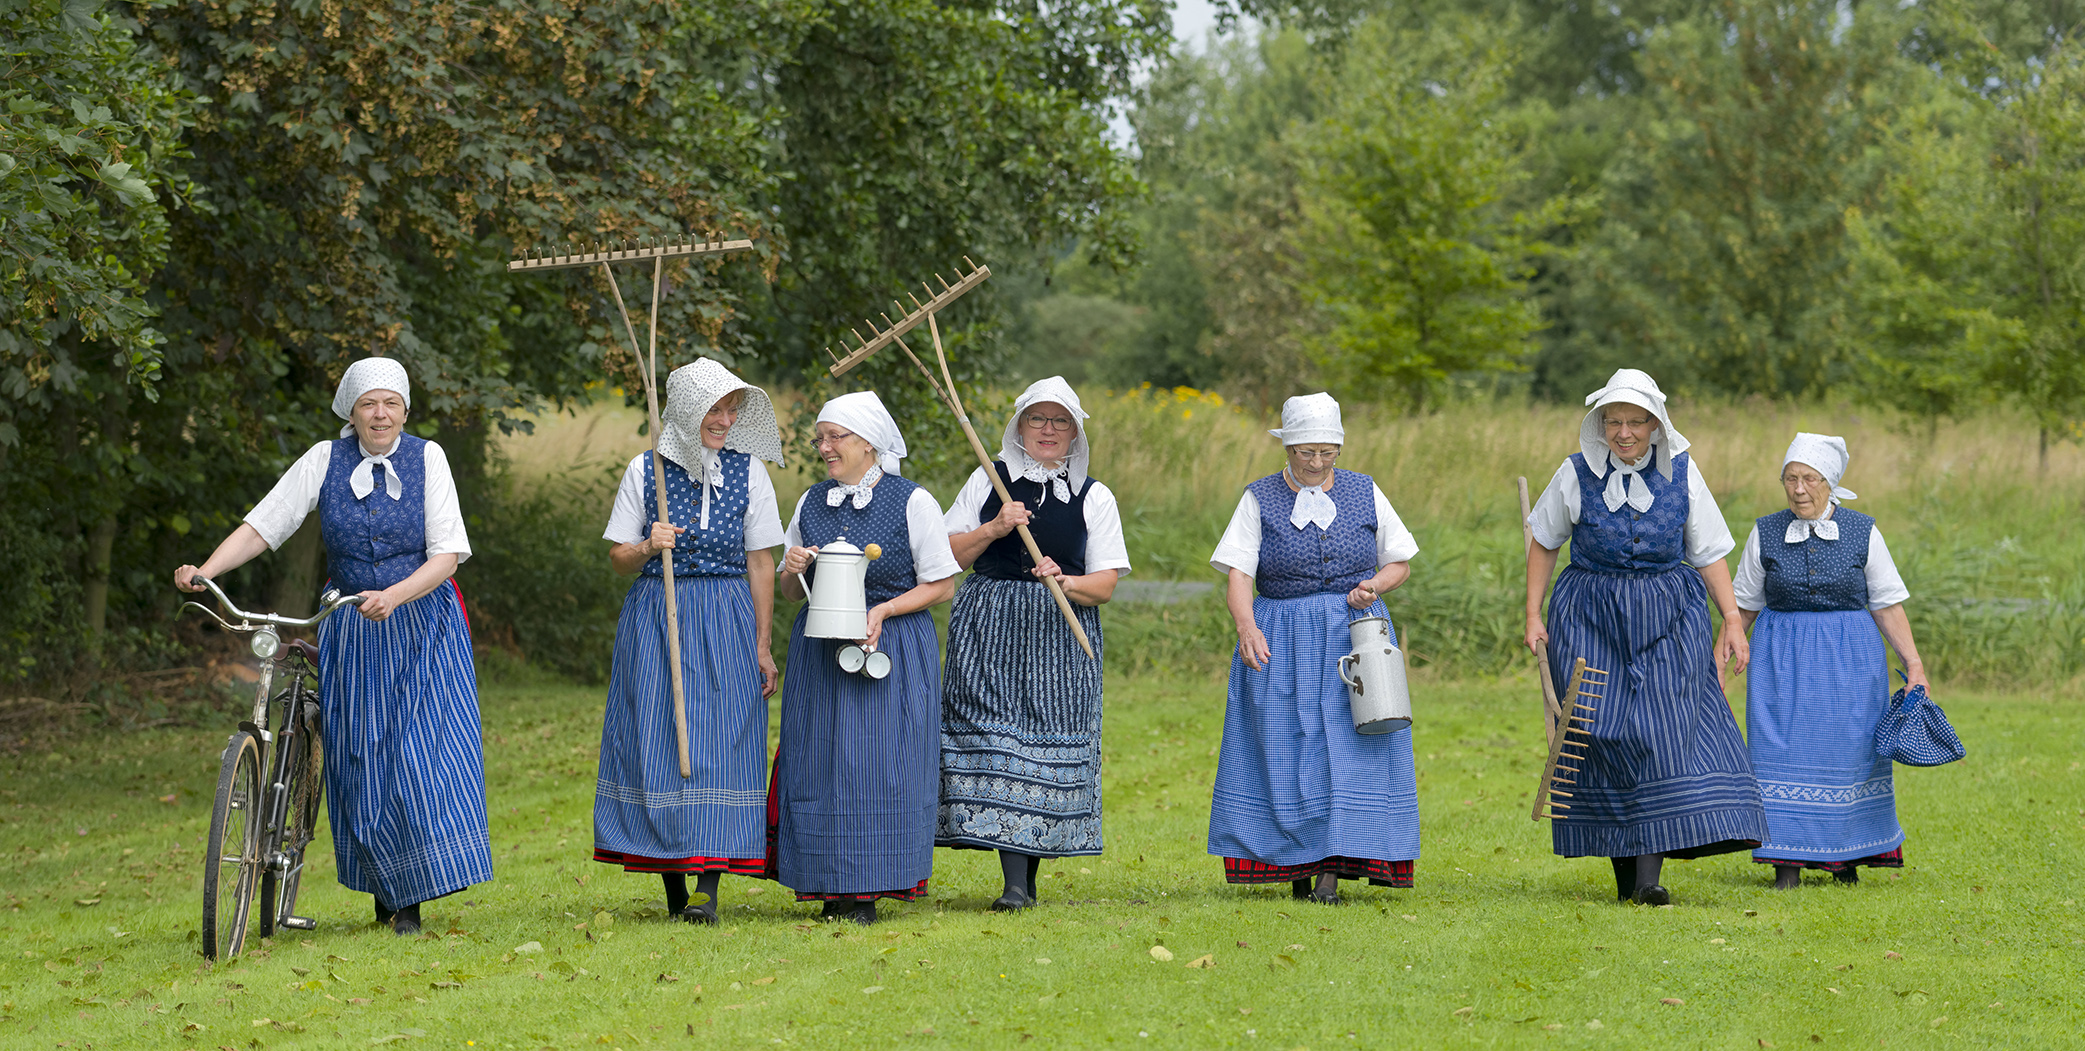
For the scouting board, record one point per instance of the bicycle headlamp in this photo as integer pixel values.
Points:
(266, 643)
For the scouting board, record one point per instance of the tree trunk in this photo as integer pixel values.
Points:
(2042, 454)
(100, 543)
(301, 564)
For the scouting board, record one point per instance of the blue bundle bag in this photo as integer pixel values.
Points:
(1915, 731)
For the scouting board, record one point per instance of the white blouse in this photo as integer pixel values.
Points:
(1708, 536)
(1885, 586)
(629, 519)
(932, 558)
(296, 495)
(1240, 547)
(1105, 548)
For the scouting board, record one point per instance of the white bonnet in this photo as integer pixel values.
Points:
(1310, 418)
(364, 376)
(862, 413)
(1053, 389)
(1628, 387)
(1826, 453)
(692, 391)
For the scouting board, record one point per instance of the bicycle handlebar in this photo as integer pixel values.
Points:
(330, 601)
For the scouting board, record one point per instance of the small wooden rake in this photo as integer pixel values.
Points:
(1560, 719)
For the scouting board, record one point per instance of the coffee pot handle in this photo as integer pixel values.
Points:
(1345, 663)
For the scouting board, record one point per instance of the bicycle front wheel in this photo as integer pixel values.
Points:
(232, 858)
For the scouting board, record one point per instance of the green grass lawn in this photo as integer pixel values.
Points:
(1977, 943)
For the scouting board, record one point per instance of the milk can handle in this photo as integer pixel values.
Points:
(1344, 663)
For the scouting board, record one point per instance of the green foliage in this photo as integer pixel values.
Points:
(90, 133)
(1410, 244)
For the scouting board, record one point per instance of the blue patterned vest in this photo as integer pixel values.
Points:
(1311, 561)
(1625, 541)
(1059, 529)
(882, 522)
(1816, 575)
(719, 551)
(374, 542)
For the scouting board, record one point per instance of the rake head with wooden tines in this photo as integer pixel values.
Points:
(1568, 733)
(936, 302)
(560, 257)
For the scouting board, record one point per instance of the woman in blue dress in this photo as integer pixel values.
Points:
(723, 526)
(858, 778)
(404, 766)
(1021, 703)
(1815, 582)
(1301, 797)
(1666, 773)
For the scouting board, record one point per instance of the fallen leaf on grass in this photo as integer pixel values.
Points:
(1843, 967)
(1672, 1000)
(1833, 991)
(86, 901)
(1242, 945)
(1245, 1010)
(1594, 1024)
(1553, 1026)
(1161, 954)
(667, 978)
(1892, 955)
(872, 989)
(769, 980)
(1465, 1012)
(1295, 948)
(1203, 962)
(1937, 1022)
(1764, 1042)
(169, 798)
(1282, 960)
(445, 985)
(1410, 918)
(527, 948)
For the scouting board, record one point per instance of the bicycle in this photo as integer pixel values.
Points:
(258, 833)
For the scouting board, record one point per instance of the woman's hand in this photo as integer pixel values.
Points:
(798, 559)
(1047, 569)
(377, 605)
(184, 575)
(1253, 646)
(768, 673)
(1362, 597)
(1012, 513)
(1732, 649)
(877, 614)
(1537, 638)
(662, 537)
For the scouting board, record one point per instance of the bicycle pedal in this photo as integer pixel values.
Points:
(300, 923)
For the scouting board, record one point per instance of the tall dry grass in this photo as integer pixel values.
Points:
(1987, 537)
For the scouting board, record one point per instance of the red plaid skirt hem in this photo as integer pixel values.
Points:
(640, 863)
(1396, 874)
(1892, 860)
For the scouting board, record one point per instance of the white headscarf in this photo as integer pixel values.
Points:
(691, 392)
(1628, 387)
(360, 378)
(1072, 469)
(1311, 418)
(863, 414)
(1827, 454)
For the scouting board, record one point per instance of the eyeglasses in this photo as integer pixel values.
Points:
(1315, 455)
(1801, 481)
(1049, 423)
(832, 440)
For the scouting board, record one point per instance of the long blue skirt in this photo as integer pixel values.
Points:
(858, 778)
(1020, 731)
(1818, 686)
(1295, 784)
(1666, 772)
(646, 816)
(404, 765)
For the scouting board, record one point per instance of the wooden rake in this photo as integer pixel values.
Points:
(605, 256)
(1559, 718)
(945, 389)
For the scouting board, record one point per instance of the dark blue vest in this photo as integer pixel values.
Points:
(1310, 561)
(1626, 541)
(1816, 575)
(1059, 529)
(374, 542)
(882, 522)
(719, 551)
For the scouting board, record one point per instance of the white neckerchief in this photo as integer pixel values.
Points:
(862, 491)
(363, 479)
(708, 474)
(1052, 480)
(1313, 503)
(1619, 492)
(1801, 529)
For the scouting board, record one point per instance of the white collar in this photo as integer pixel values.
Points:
(1313, 503)
(862, 491)
(1801, 529)
(362, 480)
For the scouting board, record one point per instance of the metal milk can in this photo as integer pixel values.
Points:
(1374, 674)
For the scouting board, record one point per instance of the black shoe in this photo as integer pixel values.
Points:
(405, 926)
(864, 913)
(1299, 889)
(1326, 897)
(1847, 875)
(704, 915)
(1012, 901)
(384, 912)
(836, 910)
(1655, 894)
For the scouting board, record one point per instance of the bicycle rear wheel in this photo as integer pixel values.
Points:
(231, 860)
(302, 788)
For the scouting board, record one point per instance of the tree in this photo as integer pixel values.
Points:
(1408, 238)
